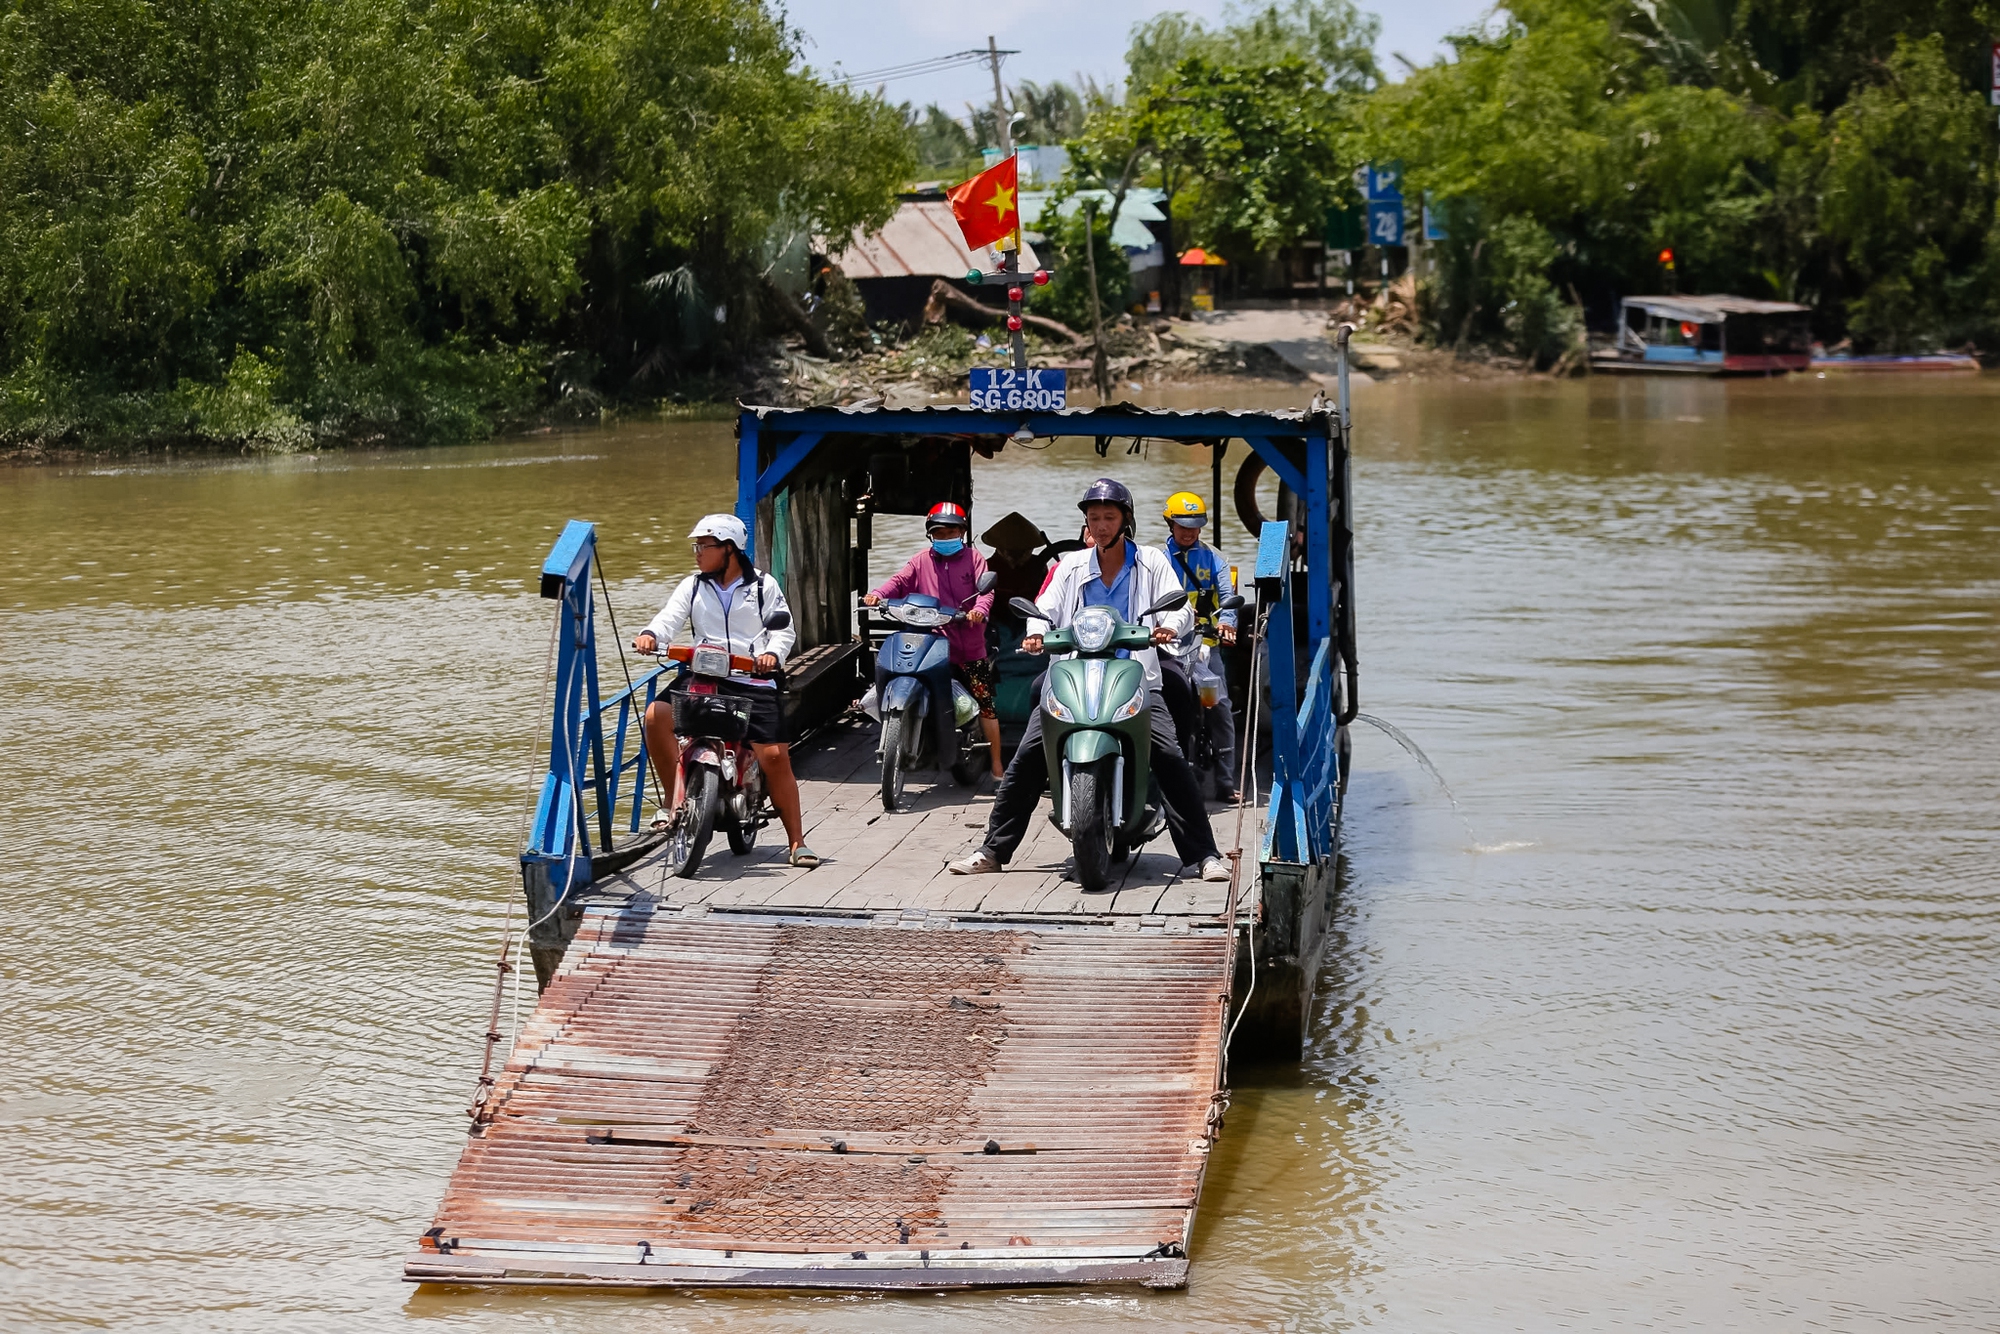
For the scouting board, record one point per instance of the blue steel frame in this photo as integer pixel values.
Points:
(1305, 720)
(583, 785)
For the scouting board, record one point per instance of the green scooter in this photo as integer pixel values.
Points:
(1097, 732)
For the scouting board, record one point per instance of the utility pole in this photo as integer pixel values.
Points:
(1097, 367)
(999, 100)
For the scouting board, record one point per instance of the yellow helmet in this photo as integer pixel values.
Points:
(1186, 510)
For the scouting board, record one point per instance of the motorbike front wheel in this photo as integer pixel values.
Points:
(894, 761)
(704, 799)
(1091, 835)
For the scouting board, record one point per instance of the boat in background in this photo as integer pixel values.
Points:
(1708, 335)
(1928, 363)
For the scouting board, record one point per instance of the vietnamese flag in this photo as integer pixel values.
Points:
(984, 205)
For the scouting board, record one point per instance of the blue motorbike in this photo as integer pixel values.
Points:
(910, 663)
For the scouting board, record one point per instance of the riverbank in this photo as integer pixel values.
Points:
(1289, 350)
(1220, 349)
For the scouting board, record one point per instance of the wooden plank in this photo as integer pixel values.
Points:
(877, 861)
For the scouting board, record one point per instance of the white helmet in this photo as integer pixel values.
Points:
(723, 528)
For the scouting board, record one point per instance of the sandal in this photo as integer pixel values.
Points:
(803, 856)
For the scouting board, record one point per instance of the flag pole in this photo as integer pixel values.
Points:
(1012, 266)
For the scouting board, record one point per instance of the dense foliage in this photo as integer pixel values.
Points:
(271, 221)
(1249, 128)
(1837, 155)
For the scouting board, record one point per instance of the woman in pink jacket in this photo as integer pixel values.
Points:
(948, 569)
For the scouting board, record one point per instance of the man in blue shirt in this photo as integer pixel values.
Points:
(1205, 575)
(1117, 573)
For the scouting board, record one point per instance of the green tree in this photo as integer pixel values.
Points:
(1908, 201)
(272, 221)
(1246, 129)
(1333, 35)
(1573, 142)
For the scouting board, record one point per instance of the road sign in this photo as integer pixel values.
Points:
(1030, 390)
(1385, 184)
(1346, 229)
(1385, 222)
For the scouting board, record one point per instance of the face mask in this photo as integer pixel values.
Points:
(948, 546)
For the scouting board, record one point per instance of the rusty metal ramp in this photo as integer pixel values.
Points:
(742, 1103)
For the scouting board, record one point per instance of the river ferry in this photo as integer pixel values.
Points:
(877, 1074)
(1708, 335)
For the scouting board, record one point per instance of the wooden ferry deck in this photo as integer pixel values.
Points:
(878, 862)
(743, 1079)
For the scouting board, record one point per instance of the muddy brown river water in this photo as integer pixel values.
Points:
(1690, 1023)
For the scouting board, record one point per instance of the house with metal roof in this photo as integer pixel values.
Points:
(893, 267)
(1708, 335)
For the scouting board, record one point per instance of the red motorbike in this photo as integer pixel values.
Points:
(719, 770)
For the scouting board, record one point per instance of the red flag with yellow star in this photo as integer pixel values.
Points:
(984, 205)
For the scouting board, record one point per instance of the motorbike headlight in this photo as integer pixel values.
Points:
(1093, 628)
(1130, 708)
(1054, 707)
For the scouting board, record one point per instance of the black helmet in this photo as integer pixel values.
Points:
(1106, 491)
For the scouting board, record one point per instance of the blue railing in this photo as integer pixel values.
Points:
(584, 785)
(1305, 768)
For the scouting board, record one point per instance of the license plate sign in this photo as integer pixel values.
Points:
(1031, 390)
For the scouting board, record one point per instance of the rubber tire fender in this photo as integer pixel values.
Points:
(1245, 493)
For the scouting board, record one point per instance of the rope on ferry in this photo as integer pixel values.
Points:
(510, 943)
(1245, 790)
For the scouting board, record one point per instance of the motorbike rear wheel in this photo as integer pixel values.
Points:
(704, 798)
(965, 769)
(1091, 835)
(743, 833)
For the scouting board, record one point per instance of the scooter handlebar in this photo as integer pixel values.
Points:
(684, 653)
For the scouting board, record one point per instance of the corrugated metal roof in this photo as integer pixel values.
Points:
(1710, 309)
(922, 240)
(1117, 416)
(702, 1102)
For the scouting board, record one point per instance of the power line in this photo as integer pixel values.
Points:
(934, 65)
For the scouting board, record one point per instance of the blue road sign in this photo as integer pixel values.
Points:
(1029, 390)
(1385, 183)
(1385, 222)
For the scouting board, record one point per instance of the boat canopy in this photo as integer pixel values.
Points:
(1710, 309)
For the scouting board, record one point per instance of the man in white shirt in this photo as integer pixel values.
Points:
(726, 601)
(1117, 573)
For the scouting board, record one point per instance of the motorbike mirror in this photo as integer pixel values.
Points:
(1232, 602)
(1028, 610)
(1173, 601)
(986, 582)
(777, 620)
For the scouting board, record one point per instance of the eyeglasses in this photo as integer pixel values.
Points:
(700, 547)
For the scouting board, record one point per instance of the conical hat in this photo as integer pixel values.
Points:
(1016, 532)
